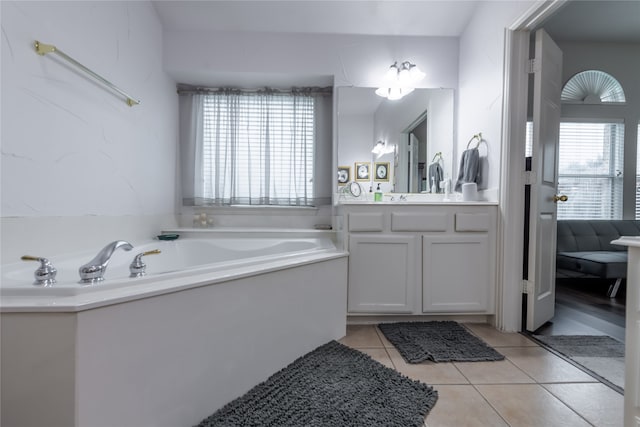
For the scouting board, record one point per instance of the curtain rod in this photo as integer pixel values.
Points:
(313, 90)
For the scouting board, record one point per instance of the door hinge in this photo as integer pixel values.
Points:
(529, 177)
(531, 66)
(527, 287)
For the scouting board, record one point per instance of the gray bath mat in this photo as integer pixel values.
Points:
(333, 385)
(438, 341)
(584, 345)
(599, 355)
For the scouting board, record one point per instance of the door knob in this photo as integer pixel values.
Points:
(562, 198)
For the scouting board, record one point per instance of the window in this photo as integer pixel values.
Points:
(253, 148)
(590, 170)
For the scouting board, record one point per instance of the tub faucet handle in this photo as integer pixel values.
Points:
(45, 274)
(138, 267)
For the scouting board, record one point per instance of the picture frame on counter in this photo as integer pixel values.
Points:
(363, 171)
(344, 175)
(381, 171)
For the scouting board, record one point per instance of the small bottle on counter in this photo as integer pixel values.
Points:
(378, 194)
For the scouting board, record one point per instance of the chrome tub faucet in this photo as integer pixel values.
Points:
(93, 271)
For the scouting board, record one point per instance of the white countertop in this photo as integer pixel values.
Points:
(631, 241)
(417, 202)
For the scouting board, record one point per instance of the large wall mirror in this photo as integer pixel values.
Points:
(417, 130)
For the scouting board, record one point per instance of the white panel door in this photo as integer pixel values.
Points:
(544, 166)
(382, 273)
(456, 273)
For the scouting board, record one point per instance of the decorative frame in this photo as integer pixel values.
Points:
(344, 175)
(362, 171)
(381, 171)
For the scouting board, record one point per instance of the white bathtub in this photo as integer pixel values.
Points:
(215, 316)
(187, 262)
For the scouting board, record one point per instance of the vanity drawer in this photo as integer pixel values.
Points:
(473, 222)
(401, 221)
(366, 222)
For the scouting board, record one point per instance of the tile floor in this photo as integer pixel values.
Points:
(531, 387)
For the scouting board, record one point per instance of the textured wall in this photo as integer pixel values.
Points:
(69, 146)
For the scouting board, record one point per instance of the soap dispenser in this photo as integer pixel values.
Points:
(378, 194)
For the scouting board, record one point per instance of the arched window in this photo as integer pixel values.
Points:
(593, 87)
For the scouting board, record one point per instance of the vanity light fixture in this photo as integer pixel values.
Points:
(400, 80)
(381, 148)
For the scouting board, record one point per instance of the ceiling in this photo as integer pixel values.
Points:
(390, 17)
(605, 20)
(596, 21)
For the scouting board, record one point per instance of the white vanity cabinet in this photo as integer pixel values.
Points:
(421, 259)
(383, 270)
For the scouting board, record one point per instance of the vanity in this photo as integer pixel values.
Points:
(413, 258)
(413, 250)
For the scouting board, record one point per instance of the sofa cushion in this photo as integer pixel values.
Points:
(604, 264)
(594, 235)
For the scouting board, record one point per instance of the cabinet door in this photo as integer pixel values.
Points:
(382, 274)
(456, 274)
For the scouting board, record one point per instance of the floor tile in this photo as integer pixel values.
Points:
(427, 372)
(362, 336)
(462, 405)
(543, 366)
(597, 403)
(385, 341)
(498, 372)
(529, 405)
(495, 338)
(379, 355)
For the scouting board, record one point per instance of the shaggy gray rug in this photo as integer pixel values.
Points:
(333, 385)
(584, 345)
(438, 341)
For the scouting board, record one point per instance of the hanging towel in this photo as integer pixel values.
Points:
(469, 165)
(435, 176)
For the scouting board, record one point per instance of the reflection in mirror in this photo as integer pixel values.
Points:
(419, 126)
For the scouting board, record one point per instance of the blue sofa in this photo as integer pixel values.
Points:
(584, 249)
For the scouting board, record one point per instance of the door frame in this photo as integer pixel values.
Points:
(512, 181)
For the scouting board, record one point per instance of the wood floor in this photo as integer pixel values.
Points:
(583, 308)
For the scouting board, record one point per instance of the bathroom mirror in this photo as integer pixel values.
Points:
(419, 126)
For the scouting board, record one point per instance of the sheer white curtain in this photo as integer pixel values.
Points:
(249, 148)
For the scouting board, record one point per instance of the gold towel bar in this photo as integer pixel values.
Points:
(43, 49)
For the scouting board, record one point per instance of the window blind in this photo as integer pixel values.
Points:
(590, 170)
(258, 148)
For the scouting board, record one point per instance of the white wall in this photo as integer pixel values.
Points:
(481, 83)
(72, 151)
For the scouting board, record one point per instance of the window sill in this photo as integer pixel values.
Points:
(257, 210)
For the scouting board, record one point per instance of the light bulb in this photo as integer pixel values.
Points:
(392, 73)
(416, 74)
(382, 91)
(404, 77)
(395, 93)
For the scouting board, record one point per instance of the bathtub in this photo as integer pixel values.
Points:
(217, 313)
(200, 257)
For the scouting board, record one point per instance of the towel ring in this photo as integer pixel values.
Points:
(478, 137)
